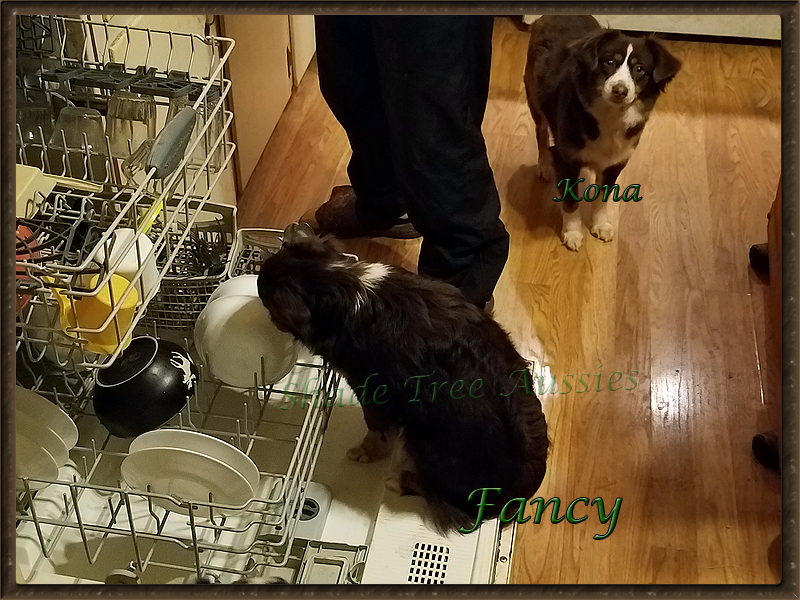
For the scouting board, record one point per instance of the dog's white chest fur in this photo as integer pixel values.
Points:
(612, 146)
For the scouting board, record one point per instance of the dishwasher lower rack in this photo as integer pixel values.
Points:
(89, 526)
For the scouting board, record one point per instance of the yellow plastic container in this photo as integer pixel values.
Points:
(90, 312)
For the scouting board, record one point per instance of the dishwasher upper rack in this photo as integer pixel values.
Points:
(47, 45)
(61, 258)
(202, 541)
(77, 61)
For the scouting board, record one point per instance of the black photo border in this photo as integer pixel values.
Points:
(789, 12)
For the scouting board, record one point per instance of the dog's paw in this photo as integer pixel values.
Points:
(572, 240)
(546, 170)
(360, 455)
(392, 484)
(603, 231)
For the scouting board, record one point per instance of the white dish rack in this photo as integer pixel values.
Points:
(91, 508)
(71, 221)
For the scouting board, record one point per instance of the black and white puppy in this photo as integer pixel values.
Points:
(428, 367)
(593, 89)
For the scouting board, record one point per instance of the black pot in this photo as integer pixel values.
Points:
(147, 385)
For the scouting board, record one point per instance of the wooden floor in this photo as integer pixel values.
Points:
(671, 298)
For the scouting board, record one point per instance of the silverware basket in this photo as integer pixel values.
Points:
(197, 270)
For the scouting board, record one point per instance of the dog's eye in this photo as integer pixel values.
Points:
(638, 69)
(609, 62)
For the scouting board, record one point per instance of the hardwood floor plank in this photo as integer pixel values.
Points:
(706, 401)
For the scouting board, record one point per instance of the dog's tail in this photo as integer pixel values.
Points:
(446, 518)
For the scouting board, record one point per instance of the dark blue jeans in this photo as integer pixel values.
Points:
(411, 91)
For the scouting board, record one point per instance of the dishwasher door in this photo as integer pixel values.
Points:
(319, 517)
(348, 528)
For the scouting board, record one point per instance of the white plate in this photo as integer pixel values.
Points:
(48, 413)
(242, 285)
(201, 443)
(35, 462)
(188, 476)
(38, 432)
(233, 333)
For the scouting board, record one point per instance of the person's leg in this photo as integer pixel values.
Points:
(348, 79)
(435, 82)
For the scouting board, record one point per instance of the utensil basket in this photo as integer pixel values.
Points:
(184, 293)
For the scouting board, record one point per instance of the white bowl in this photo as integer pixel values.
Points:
(234, 333)
(243, 285)
(199, 442)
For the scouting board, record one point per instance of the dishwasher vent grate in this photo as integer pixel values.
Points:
(428, 564)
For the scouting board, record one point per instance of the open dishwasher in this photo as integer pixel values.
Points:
(315, 516)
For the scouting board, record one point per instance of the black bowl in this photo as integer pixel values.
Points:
(147, 385)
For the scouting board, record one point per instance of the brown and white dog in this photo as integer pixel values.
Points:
(593, 90)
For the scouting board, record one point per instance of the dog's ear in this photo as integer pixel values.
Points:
(588, 49)
(331, 242)
(665, 66)
(290, 313)
(300, 239)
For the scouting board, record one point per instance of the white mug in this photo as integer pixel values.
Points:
(120, 240)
